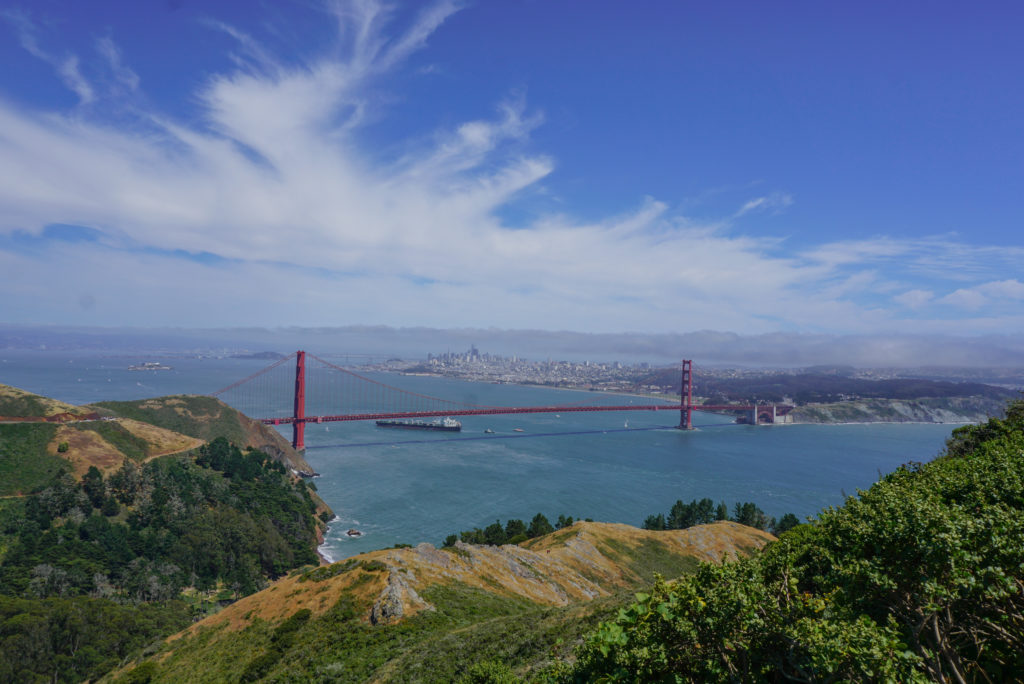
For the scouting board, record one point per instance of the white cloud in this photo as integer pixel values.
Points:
(1003, 289)
(312, 230)
(965, 298)
(915, 299)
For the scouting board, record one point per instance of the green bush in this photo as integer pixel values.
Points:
(921, 578)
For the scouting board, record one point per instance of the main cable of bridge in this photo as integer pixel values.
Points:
(420, 405)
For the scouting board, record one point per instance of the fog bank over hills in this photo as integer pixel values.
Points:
(780, 349)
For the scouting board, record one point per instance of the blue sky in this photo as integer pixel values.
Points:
(804, 167)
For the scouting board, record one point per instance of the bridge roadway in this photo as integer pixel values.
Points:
(499, 410)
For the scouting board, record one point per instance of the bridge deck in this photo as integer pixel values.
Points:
(499, 410)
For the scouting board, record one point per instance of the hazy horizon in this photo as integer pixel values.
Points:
(778, 350)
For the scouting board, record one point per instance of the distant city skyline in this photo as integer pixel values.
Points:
(810, 171)
(706, 348)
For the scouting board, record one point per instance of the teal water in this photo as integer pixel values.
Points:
(411, 486)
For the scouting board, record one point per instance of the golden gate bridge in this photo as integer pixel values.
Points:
(322, 392)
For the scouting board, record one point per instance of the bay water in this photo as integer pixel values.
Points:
(404, 486)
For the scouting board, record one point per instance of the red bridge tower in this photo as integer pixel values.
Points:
(299, 422)
(686, 397)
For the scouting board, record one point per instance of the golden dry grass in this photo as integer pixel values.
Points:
(161, 442)
(290, 594)
(579, 563)
(87, 448)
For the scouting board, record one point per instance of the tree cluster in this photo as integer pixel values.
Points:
(512, 532)
(85, 559)
(919, 579)
(77, 639)
(146, 532)
(683, 515)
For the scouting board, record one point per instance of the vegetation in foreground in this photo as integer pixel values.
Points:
(920, 578)
(477, 608)
(94, 569)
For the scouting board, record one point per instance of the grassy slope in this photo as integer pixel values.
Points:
(469, 604)
(196, 416)
(206, 418)
(17, 403)
(469, 625)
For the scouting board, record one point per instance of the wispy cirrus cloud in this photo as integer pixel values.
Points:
(774, 202)
(66, 66)
(272, 184)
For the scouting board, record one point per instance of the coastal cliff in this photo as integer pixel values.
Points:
(974, 409)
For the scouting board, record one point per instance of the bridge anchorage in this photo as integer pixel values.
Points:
(338, 394)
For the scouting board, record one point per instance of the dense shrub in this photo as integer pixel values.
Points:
(231, 516)
(920, 578)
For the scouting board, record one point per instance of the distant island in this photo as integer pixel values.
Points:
(149, 366)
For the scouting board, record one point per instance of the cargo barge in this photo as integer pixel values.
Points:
(446, 425)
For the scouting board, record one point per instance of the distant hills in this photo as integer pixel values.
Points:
(831, 396)
(706, 347)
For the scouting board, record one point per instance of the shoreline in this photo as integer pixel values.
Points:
(325, 558)
(541, 386)
(890, 422)
(673, 401)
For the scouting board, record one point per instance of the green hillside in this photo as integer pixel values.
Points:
(176, 537)
(17, 403)
(920, 578)
(207, 418)
(25, 463)
(116, 532)
(193, 415)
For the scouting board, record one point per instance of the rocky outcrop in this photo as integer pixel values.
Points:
(397, 600)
